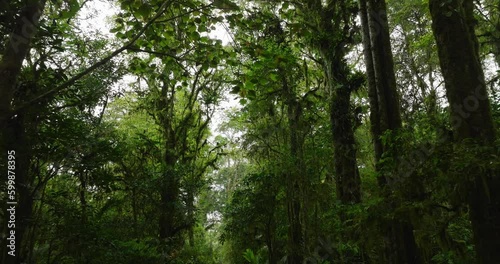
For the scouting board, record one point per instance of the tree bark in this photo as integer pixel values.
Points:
(372, 87)
(169, 194)
(169, 206)
(293, 190)
(348, 182)
(385, 116)
(190, 216)
(385, 81)
(332, 49)
(16, 139)
(453, 26)
(333, 30)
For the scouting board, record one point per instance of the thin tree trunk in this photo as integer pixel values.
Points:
(293, 192)
(190, 217)
(334, 34)
(270, 230)
(332, 52)
(169, 197)
(83, 199)
(134, 212)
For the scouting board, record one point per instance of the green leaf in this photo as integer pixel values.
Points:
(116, 29)
(144, 11)
(236, 89)
(225, 4)
(249, 85)
(194, 35)
(273, 77)
(74, 7)
(251, 94)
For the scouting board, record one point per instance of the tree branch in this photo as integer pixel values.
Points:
(103, 61)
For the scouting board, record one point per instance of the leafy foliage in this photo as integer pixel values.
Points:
(183, 146)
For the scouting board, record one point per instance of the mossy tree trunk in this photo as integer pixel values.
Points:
(295, 209)
(334, 35)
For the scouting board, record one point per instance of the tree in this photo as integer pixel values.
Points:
(334, 35)
(385, 119)
(453, 25)
(13, 135)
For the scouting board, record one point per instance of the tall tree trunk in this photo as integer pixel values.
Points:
(169, 197)
(348, 182)
(385, 80)
(334, 33)
(372, 88)
(453, 26)
(385, 116)
(17, 141)
(169, 190)
(270, 238)
(13, 128)
(16, 50)
(190, 216)
(335, 36)
(293, 188)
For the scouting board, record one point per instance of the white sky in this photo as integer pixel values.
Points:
(97, 15)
